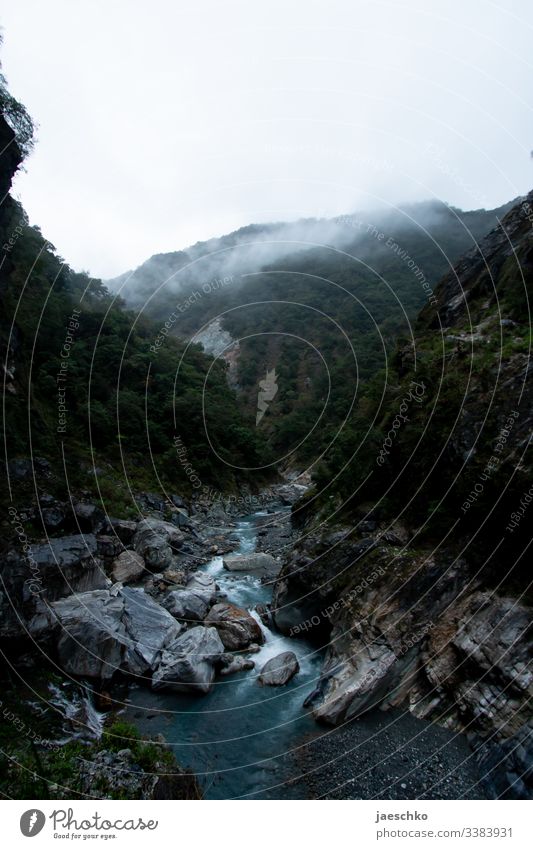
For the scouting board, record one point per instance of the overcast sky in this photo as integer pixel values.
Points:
(162, 123)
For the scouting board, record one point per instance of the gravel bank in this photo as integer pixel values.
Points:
(388, 755)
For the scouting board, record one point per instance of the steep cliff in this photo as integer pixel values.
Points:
(419, 590)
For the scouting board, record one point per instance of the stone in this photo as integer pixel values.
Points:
(279, 670)
(188, 663)
(237, 629)
(105, 631)
(128, 566)
(258, 563)
(108, 546)
(156, 541)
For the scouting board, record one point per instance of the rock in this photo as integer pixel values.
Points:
(175, 576)
(177, 501)
(26, 469)
(129, 566)
(108, 547)
(258, 563)
(237, 629)
(180, 518)
(188, 605)
(279, 670)
(188, 664)
(235, 663)
(149, 627)
(290, 493)
(156, 540)
(50, 570)
(54, 517)
(89, 517)
(105, 631)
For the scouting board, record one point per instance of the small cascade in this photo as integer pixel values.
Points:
(76, 705)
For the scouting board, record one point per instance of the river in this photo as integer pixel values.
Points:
(238, 738)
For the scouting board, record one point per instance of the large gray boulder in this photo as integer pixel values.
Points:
(279, 670)
(105, 631)
(259, 563)
(156, 541)
(201, 581)
(236, 628)
(188, 664)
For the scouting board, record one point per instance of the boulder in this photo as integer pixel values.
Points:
(200, 581)
(156, 540)
(105, 631)
(188, 663)
(189, 605)
(129, 566)
(236, 628)
(108, 547)
(258, 563)
(180, 518)
(279, 670)
(49, 571)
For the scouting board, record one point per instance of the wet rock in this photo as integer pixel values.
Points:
(279, 670)
(237, 629)
(189, 662)
(128, 566)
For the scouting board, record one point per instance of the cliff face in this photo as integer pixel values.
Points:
(422, 599)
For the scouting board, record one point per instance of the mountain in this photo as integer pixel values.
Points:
(324, 318)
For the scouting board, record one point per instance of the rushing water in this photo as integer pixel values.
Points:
(237, 739)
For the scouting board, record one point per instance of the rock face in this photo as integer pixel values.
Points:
(236, 628)
(156, 541)
(188, 663)
(279, 670)
(105, 631)
(259, 563)
(128, 567)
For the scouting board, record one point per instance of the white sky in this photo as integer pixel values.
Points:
(162, 123)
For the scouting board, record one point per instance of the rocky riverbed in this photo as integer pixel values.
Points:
(232, 634)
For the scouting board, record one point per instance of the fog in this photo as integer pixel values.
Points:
(167, 123)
